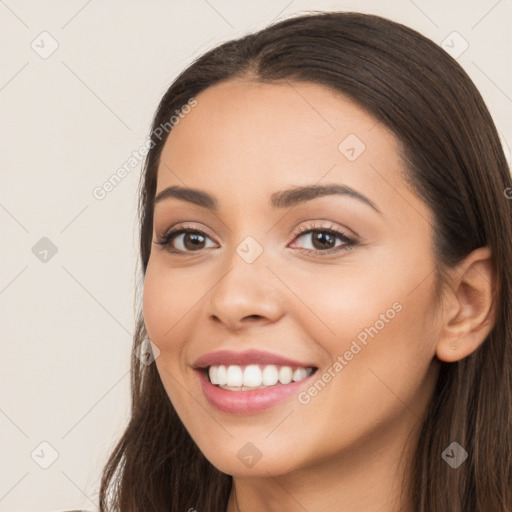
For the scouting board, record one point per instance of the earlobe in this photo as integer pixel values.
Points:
(469, 307)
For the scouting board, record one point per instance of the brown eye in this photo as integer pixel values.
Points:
(192, 241)
(324, 240)
(186, 239)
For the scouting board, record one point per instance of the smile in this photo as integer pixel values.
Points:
(241, 399)
(254, 376)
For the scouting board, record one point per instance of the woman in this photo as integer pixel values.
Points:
(326, 243)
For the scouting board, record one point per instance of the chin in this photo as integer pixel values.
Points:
(249, 460)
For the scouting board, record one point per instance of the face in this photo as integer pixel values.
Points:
(341, 282)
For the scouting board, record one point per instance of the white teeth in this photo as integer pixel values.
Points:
(255, 376)
(299, 374)
(285, 375)
(221, 376)
(235, 375)
(252, 376)
(214, 374)
(270, 375)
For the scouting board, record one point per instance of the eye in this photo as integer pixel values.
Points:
(323, 239)
(190, 240)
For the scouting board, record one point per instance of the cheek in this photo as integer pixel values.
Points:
(171, 301)
(161, 307)
(152, 306)
(165, 319)
(381, 359)
(342, 301)
(380, 322)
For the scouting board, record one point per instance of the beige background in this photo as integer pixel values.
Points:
(69, 121)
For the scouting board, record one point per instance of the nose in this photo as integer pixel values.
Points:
(246, 294)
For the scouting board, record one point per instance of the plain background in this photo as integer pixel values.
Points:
(69, 121)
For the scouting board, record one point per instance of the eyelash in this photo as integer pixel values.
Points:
(349, 243)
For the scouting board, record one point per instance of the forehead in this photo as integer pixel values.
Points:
(257, 137)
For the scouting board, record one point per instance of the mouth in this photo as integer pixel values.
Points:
(254, 376)
(253, 388)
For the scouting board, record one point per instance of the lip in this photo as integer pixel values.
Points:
(227, 357)
(247, 402)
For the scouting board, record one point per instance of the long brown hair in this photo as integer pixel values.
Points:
(455, 163)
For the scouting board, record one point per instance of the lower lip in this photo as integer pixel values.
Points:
(246, 402)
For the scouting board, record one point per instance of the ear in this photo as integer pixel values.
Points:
(469, 306)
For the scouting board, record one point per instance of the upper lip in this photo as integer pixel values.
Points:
(227, 357)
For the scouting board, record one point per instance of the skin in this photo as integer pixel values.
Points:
(350, 444)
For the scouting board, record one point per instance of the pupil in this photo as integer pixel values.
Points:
(193, 238)
(321, 237)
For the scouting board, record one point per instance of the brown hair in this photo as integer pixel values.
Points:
(455, 163)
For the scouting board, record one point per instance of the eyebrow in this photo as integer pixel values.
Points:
(278, 200)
